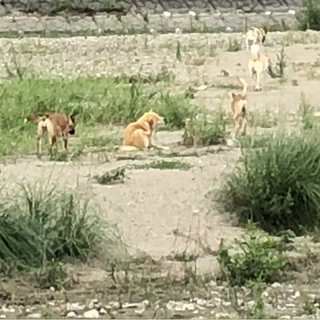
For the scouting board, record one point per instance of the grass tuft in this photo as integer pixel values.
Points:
(42, 226)
(277, 186)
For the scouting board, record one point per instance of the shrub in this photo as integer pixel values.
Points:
(41, 226)
(309, 16)
(200, 131)
(277, 186)
(259, 260)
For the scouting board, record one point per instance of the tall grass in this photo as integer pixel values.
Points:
(93, 100)
(39, 226)
(277, 186)
(309, 16)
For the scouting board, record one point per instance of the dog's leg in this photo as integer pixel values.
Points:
(65, 142)
(244, 125)
(39, 142)
(52, 141)
(258, 82)
(152, 144)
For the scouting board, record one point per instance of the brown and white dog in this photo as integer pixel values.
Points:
(258, 65)
(239, 108)
(254, 36)
(56, 124)
(139, 134)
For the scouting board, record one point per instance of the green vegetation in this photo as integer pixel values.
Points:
(95, 101)
(309, 16)
(42, 227)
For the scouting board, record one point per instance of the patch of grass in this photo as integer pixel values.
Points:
(233, 45)
(40, 226)
(204, 130)
(94, 101)
(265, 119)
(59, 157)
(253, 141)
(111, 177)
(164, 165)
(309, 15)
(281, 64)
(273, 185)
(259, 260)
(306, 111)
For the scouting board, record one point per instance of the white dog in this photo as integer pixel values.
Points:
(254, 36)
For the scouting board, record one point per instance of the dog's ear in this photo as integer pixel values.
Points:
(233, 94)
(151, 122)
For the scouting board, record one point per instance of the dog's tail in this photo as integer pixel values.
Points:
(36, 117)
(255, 52)
(245, 86)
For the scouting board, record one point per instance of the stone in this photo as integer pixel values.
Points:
(78, 24)
(57, 24)
(102, 311)
(71, 314)
(34, 316)
(276, 285)
(29, 24)
(91, 314)
(7, 24)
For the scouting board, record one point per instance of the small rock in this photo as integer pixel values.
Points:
(146, 302)
(265, 294)
(52, 289)
(276, 285)
(130, 305)
(102, 311)
(114, 304)
(250, 304)
(35, 316)
(93, 303)
(74, 306)
(226, 303)
(312, 296)
(222, 315)
(286, 316)
(71, 314)
(3, 316)
(297, 295)
(290, 305)
(170, 305)
(141, 309)
(91, 314)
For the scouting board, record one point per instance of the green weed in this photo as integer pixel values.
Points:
(259, 260)
(202, 131)
(272, 185)
(164, 165)
(42, 225)
(95, 101)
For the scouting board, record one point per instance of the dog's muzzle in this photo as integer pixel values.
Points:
(72, 131)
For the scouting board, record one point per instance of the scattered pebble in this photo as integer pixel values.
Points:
(91, 314)
(71, 314)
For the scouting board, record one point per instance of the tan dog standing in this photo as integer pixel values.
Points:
(56, 124)
(254, 36)
(139, 134)
(258, 64)
(239, 108)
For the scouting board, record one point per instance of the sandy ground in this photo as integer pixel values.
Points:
(153, 203)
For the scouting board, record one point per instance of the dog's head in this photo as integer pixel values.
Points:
(72, 124)
(239, 104)
(153, 119)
